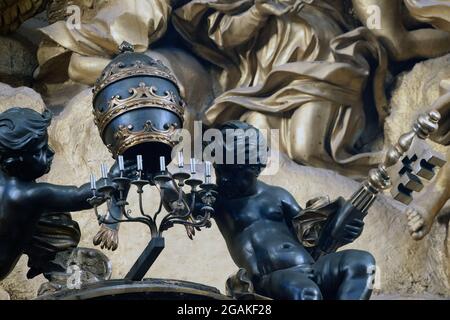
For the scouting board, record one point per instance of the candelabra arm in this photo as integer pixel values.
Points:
(160, 207)
(171, 195)
(113, 220)
(151, 222)
(204, 221)
(193, 198)
(126, 214)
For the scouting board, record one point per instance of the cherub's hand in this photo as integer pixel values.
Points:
(107, 238)
(353, 230)
(272, 7)
(419, 225)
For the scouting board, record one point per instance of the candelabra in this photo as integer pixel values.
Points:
(192, 209)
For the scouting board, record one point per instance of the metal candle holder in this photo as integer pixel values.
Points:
(113, 192)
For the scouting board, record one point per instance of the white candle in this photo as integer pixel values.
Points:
(192, 162)
(207, 171)
(121, 163)
(180, 159)
(104, 170)
(140, 163)
(93, 182)
(162, 164)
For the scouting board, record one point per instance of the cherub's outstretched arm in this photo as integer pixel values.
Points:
(57, 198)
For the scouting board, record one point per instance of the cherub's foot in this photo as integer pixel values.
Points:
(419, 222)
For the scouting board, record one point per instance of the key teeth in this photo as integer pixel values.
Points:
(437, 161)
(405, 187)
(413, 183)
(425, 173)
(402, 197)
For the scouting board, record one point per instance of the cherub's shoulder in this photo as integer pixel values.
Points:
(278, 191)
(16, 191)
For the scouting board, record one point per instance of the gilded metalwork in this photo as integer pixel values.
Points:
(379, 179)
(141, 97)
(127, 138)
(119, 71)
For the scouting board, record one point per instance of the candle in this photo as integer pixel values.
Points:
(162, 164)
(180, 159)
(140, 163)
(104, 171)
(121, 163)
(93, 182)
(207, 171)
(192, 162)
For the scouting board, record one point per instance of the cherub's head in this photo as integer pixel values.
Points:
(24, 149)
(248, 149)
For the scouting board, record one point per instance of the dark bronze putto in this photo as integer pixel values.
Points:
(138, 107)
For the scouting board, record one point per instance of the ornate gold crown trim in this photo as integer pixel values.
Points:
(127, 138)
(142, 97)
(119, 71)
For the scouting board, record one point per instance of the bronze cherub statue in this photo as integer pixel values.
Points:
(33, 215)
(257, 222)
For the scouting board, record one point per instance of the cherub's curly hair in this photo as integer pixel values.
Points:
(249, 141)
(21, 129)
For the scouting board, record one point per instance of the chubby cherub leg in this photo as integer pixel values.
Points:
(289, 284)
(423, 211)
